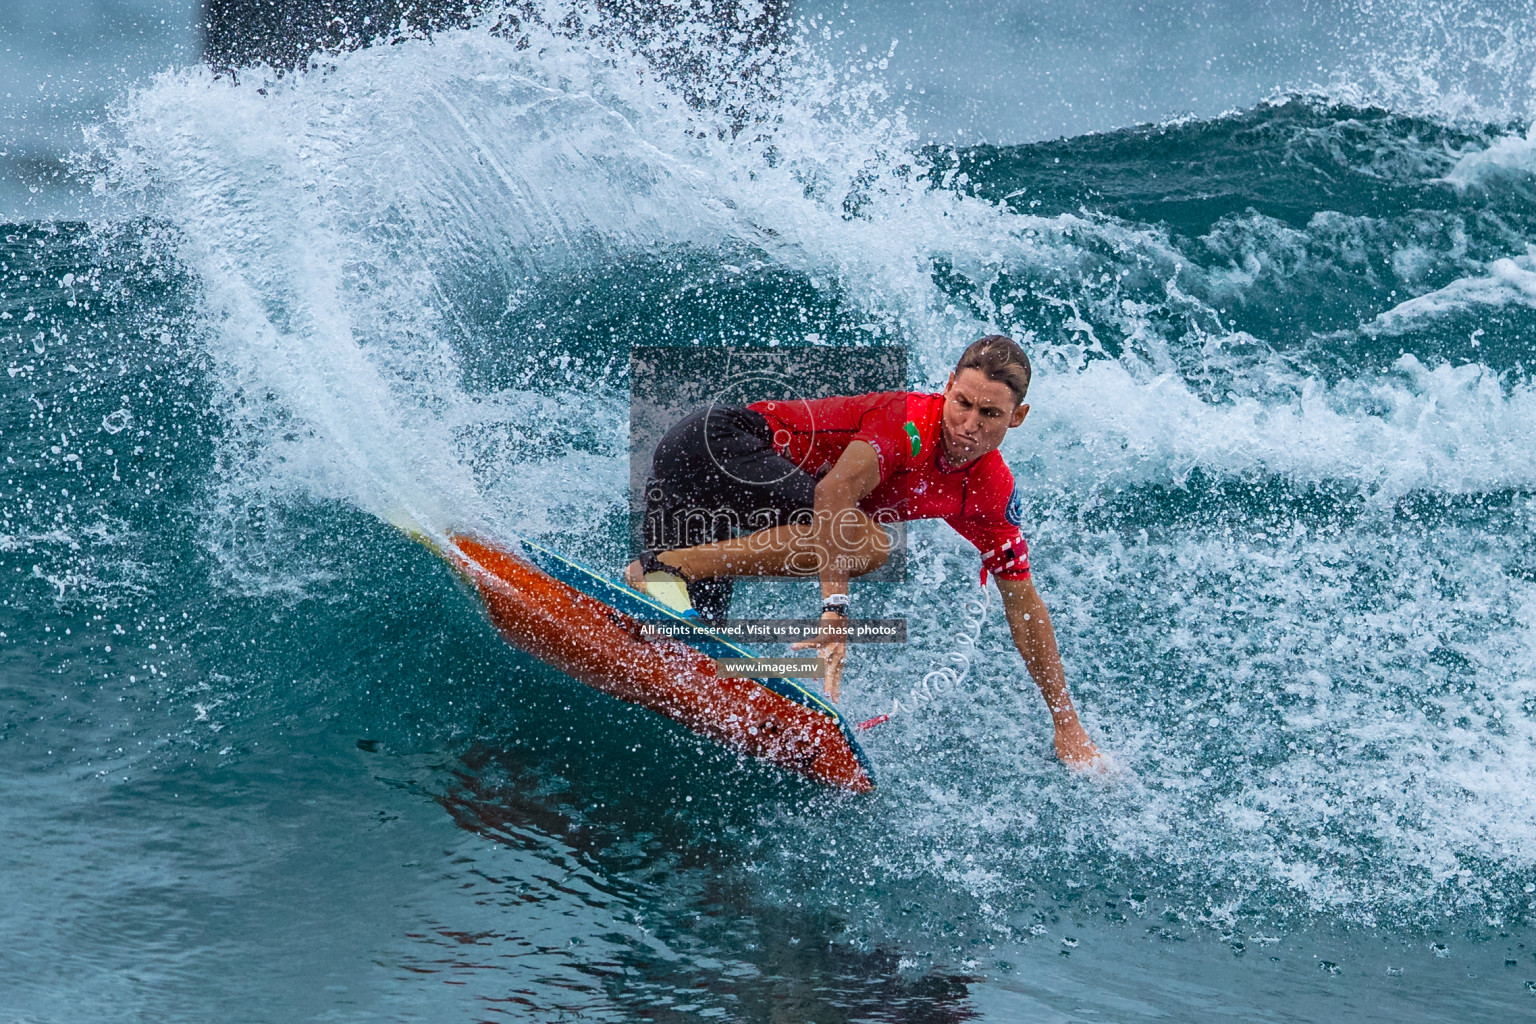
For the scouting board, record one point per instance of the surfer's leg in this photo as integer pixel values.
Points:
(702, 488)
(715, 475)
(782, 551)
(725, 503)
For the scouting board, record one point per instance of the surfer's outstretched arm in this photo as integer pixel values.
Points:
(1033, 635)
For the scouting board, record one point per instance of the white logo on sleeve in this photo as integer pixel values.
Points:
(1014, 513)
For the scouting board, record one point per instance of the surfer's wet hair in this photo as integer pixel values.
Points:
(999, 359)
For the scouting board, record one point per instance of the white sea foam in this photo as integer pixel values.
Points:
(1449, 429)
(1508, 153)
(1509, 281)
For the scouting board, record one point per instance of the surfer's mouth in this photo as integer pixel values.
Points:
(961, 442)
(958, 449)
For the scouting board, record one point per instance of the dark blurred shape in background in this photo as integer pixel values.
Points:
(286, 33)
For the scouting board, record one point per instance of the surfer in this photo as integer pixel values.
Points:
(800, 488)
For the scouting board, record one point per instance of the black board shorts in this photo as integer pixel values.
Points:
(714, 476)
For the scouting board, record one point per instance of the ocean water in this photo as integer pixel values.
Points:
(62, 63)
(263, 760)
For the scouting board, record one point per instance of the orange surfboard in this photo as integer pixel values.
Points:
(576, 620)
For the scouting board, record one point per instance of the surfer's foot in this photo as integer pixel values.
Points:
(648, 562)
(651, 576)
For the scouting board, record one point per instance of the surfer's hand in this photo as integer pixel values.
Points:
(832, 648)
(1074, 748)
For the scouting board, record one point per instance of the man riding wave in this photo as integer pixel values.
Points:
(800, 488)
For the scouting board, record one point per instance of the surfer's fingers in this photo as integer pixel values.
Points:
(834, 655)
(818, 641)
(827, 647)
(834, 672)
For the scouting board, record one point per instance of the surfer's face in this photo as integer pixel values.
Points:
(977, 413)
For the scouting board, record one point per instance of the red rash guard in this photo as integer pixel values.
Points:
(916, 481)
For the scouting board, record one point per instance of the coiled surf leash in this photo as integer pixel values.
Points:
(944, 680)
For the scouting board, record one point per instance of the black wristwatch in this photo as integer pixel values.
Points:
(837, 603)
